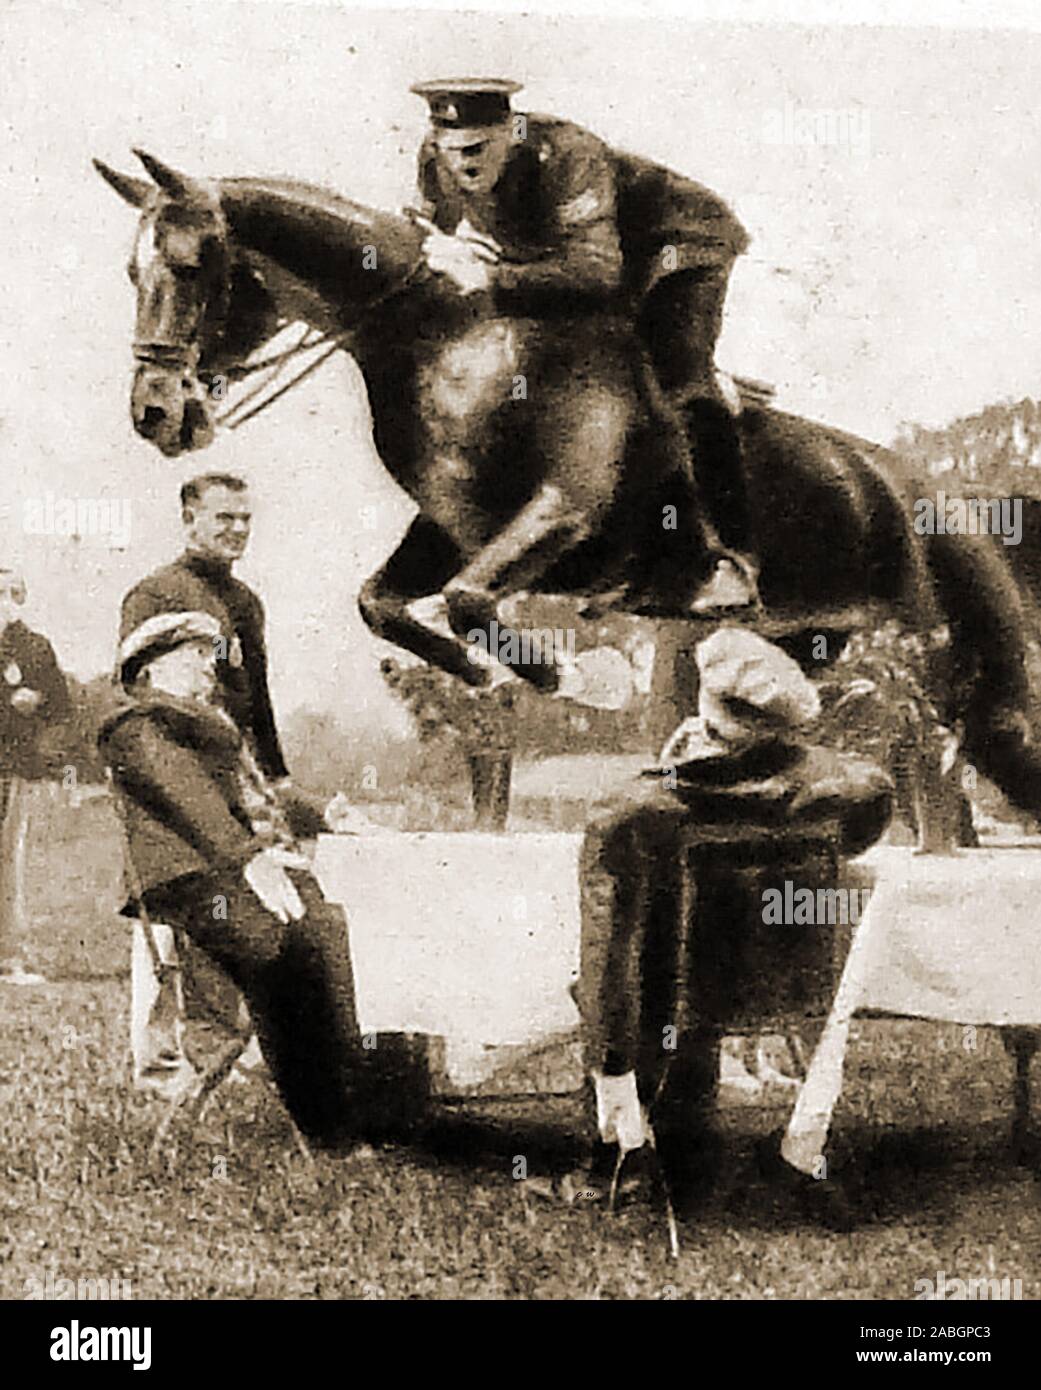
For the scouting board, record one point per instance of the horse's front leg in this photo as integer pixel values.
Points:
(514, 559)
(422, 563)
(582, 424)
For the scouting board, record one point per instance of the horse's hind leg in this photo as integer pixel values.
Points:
(421, 565)
(990, 632)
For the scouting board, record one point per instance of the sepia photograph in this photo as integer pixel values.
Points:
(520, 663)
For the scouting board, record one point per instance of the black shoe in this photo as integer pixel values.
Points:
(823, 1201)
(612, 1180)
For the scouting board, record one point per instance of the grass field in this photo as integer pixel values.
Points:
(244, 1214)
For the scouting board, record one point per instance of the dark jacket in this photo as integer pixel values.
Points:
(575, 216)
(193, 583)
(27, 661)
(785, 783)
(175, 764)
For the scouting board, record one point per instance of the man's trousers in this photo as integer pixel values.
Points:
(298, 984)
(13, 829)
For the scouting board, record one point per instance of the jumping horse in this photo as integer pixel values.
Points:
(513, 494)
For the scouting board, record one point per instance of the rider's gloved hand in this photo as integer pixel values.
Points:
(465, 259)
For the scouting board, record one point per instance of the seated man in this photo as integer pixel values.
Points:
(214, 850)
(742, 770)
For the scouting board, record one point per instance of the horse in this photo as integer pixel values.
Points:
(539, 456)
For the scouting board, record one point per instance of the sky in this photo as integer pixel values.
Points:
(890, 179)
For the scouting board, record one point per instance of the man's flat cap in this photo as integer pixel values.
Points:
(162, 634)
(467, 103)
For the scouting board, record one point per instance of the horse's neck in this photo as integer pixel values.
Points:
(323, 258)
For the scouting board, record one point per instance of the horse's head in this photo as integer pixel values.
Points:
(181, 268)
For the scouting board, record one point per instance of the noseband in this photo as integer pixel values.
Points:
(184, 358)
(174, 357)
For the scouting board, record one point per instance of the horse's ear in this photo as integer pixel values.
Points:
(169, 180)
(131, 190)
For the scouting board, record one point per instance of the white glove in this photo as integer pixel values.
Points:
(431, 612)
(266, 875)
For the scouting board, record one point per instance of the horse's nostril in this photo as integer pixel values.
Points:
(153, 417)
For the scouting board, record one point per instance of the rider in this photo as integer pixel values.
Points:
(540, 210)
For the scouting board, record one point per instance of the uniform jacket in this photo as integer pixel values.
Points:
(175, 764)
(575, 216)
(27, 661)
(193, 583)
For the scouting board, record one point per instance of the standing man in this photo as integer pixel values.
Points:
(33, 694)
(217, 515)
(541, 213)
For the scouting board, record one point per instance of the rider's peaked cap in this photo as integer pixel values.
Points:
(467, 103)
(162, 633)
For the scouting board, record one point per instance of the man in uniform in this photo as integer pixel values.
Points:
(217, 515)
(545, 215)
(33, 694)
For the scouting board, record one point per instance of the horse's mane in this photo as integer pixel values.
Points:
(343, 250)
(305, 197)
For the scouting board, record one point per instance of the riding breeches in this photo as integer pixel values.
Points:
(679, 323)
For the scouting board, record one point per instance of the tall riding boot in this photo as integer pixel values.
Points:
(679, 323)
(715, 445)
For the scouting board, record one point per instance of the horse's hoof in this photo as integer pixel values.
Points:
(469, 610)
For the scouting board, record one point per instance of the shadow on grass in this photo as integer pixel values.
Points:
(553, 1133)
(922, 1175)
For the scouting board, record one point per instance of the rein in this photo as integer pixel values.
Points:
(233, 417)
(237, 414)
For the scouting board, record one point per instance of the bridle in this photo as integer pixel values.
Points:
(185, 357)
